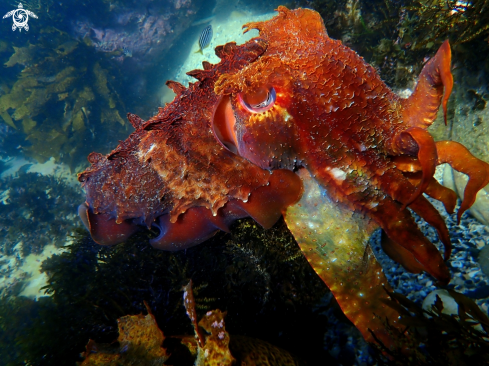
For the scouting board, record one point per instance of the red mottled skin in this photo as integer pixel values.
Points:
(174, 174)
(228, 147)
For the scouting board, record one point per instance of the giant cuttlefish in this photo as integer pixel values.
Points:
(294, 123)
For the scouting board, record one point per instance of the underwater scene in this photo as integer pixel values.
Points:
(221, 182)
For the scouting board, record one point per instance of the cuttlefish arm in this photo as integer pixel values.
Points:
(335, 242)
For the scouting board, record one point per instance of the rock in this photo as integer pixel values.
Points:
(483, 259)
(450, 306)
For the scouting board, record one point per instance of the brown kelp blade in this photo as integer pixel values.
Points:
(334, 241)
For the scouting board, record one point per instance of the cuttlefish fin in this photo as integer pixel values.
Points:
(335, 242)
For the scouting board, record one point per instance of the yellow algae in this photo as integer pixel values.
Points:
(110, 116)
(24, 82)
(64, 85)
(13, 99)
(78, 123)
(215, 351)
(7, 119)
(28, 124)
(58, 104)
(85, 96)
(63, 96)
(4, 46)
(20, 112)
(66, 48)
(101, 80)
(111, 103)
(47, 144)
(140, 342)
(23, 55)
(4, 87)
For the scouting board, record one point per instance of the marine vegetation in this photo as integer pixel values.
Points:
(437, 338)
(141, 342)
(91, 286)
(293, 123)
(398, 36)
(61, 96)
(462, 21)
(35, 210)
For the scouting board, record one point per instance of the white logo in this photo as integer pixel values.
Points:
(20, 17)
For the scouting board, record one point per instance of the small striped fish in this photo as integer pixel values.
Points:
(205, 38)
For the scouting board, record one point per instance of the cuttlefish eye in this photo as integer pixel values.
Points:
(259, 100)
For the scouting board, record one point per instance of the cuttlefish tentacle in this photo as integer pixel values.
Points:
(440, 193)
(411, 168)
(419, 111)
(400, 254)
(400, 227)
(431, 215)
(462, 160)
(335, 242)
(421, 206)
(362, 189)
(416, 140)
(434, 86)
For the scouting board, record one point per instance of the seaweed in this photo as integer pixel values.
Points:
(436, 338)
(277, 254)
(461, 21)
(141, 342)
(91, 286)
(62, 96)
(16, 317)
(36, 210)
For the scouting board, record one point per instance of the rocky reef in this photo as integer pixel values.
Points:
(271, 296)
(139, 30)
